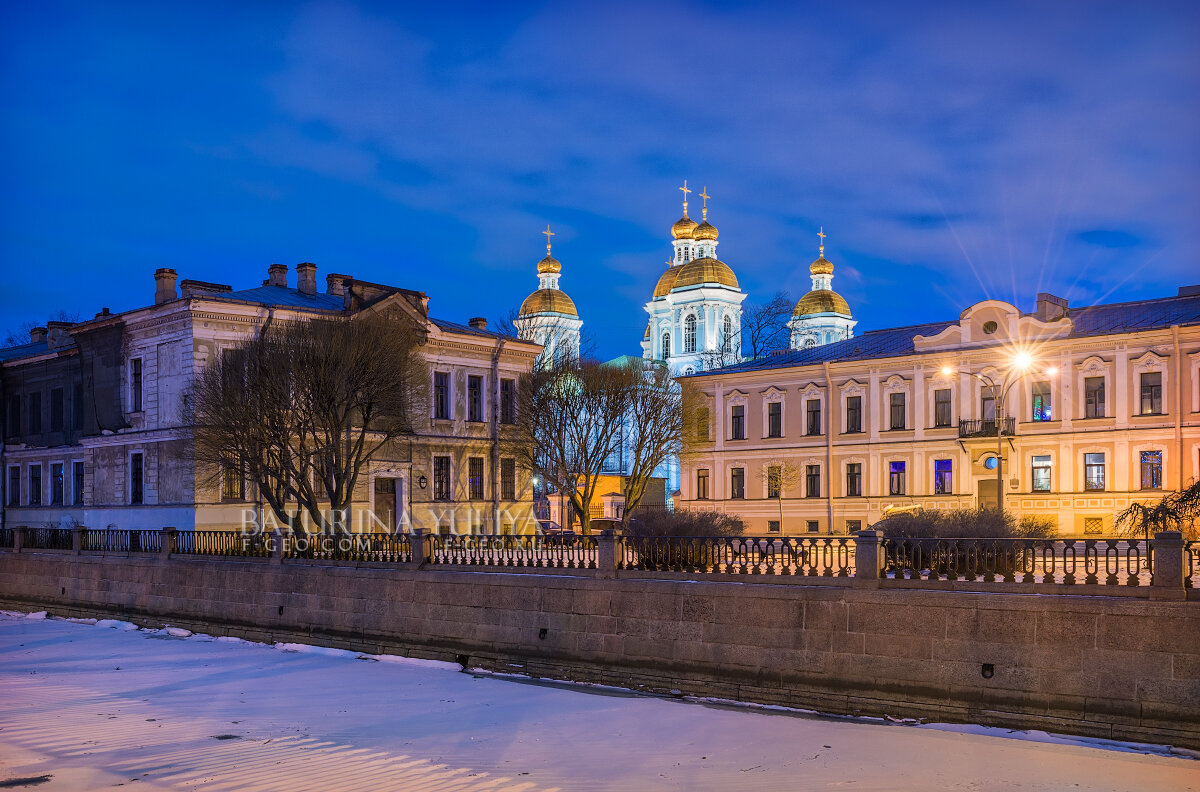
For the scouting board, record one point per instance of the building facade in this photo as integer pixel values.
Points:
(96, 425)
(1091, 409)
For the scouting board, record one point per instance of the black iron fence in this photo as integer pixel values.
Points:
(1090, 561)
(221, 543)
(744, 555)
(109, 540)
(379, 547)
(566, 551)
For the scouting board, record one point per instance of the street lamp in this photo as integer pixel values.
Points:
(1020, 365)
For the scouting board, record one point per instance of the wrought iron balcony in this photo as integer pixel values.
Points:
(986, 428)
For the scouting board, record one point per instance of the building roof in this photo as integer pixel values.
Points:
(455, 327)
(898, 341)
(24, 350)
(281, 296)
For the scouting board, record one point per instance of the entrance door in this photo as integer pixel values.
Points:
(385, 504)
(987, 494)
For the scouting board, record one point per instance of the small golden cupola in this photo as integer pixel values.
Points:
(684, 226)
(822, 316)
(548, 316)
(705, 231)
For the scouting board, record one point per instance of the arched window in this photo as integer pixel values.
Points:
(666, 346)
(727, 341)
(689, 333)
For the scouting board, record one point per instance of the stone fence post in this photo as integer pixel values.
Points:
(417, 541)
(607, 545)
(78, 538)
(18, 538)
(168, 542)
(1170, 566)
(868, 558)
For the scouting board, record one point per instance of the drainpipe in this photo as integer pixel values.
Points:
(829, 443)
(495, 427)
(1178, 407)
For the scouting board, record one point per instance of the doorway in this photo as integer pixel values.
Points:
(385, 503)
(987, 494)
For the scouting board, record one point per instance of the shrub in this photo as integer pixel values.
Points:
(925, 531)
(686, 522)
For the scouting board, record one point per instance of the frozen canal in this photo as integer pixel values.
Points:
(96, 707)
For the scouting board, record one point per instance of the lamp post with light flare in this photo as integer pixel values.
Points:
(1021, 363)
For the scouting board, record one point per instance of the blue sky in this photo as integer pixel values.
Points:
(952, 151)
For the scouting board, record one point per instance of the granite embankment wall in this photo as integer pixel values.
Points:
(1114, 667)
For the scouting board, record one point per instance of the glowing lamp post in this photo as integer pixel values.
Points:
(1019, 367)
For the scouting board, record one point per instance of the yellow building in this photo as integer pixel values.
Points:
(1082, 410)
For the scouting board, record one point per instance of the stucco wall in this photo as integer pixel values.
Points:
(1119, 668)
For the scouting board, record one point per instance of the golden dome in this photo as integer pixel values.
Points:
(548, 301)
(549, 266)
(705, 270)
(822, 266)
(683, 227)
(705, 230)
(666, 282)
(822, 301)
(647, 336)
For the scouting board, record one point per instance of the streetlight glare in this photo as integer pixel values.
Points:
(947, 371)
(1052, 371)
(1022, 360)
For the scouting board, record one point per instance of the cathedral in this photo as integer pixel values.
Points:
(695, 311)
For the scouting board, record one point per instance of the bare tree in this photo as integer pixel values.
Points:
(568, 423)
(19, 335)
(780, 476)
(303, 407)
(654, 423)
(506, 325)
(1176, 511)
(764, 326)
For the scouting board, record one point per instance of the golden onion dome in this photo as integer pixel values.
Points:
(647, 336)
(683, 228)
(822, 301)
(549, 266)
(666, 282)
(822, 266)
(705, 230)
(705, 270)
(548, 301)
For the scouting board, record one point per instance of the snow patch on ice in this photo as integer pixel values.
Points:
(415, 662)
(233, 640)
(36, 616)
(317, 650)
(117, 624)
(80, 621)
(177, 632)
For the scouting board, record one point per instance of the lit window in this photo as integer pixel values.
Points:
(1151, 402)
(1041, 473)
(737, 483)
(1093, 471)
(727, 340)
(702, 484)
(475, 478)
(896, 485)
(1093, 397)
(1041, 401)
(1151, 469)
(943, 476)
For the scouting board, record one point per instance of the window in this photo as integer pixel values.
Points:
(896, 403)
(702, 423)
(941, 407)
(1040, 396)
(135, 385)
(987, 407)
(702, 484)
(1151, 402)
(1151, 470)
(737, 423)
(1093, 471)
(14, 416)
(774, 482)
(853, 526)
(689, 334)
(775, 419)
(943, 476)
(1093, 397)
(896, 479)
(14, 486)
(737, 483)
(1093, 525)
(57, 410)
(853, 479)
(474, 398)
(35, 485)
(35, 412)
(812, 526)
(441, 396)
(475, 478)
(77, 407)
(508, 404)
(232, 484)
(1041, 473)
(136, 483)
(441, 478)
(508, 479)
(727, 338)
(77, 483)
(853, 414)
(666, 345)
(812, 412)
(812, 481)
(56, 484)
(773, 526)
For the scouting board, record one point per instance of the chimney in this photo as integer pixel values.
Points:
(195, 288)
(306, 278)
(1050, 308)
(37, 335)
(103, 312)
(164, 285)
(336, 284)
(477, 323)
(277, 275)
(59, 334)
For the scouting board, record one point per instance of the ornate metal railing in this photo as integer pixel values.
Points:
(221, 543)
(6, 537)
(1106, 562)
(49, 538)
(745, 555)
(108, 540)
(975, 427)
(546, 552)
(384, 547)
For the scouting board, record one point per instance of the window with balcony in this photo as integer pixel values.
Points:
(812, 412)
(941, 407)
(737, 483)
(1093, 471)
(1093, 397)
(896, 483)
(812, 481)
(774, 419)
(1151, 393)
(1040, 396)
(737, 422)
(853, 414)
(896, 411)
(441, 396)
(1041, 473)
(943, 476)
(853, 479)
(1151, 469)
(702, 484)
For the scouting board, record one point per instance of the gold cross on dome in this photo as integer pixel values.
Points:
(685, 195)
(548, 234)
(821, 234)
(704, 194)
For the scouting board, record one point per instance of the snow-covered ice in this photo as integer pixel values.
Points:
(94, 708)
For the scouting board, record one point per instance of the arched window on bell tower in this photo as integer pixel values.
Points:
(666, 346)
(689, 333)
(727, 340)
